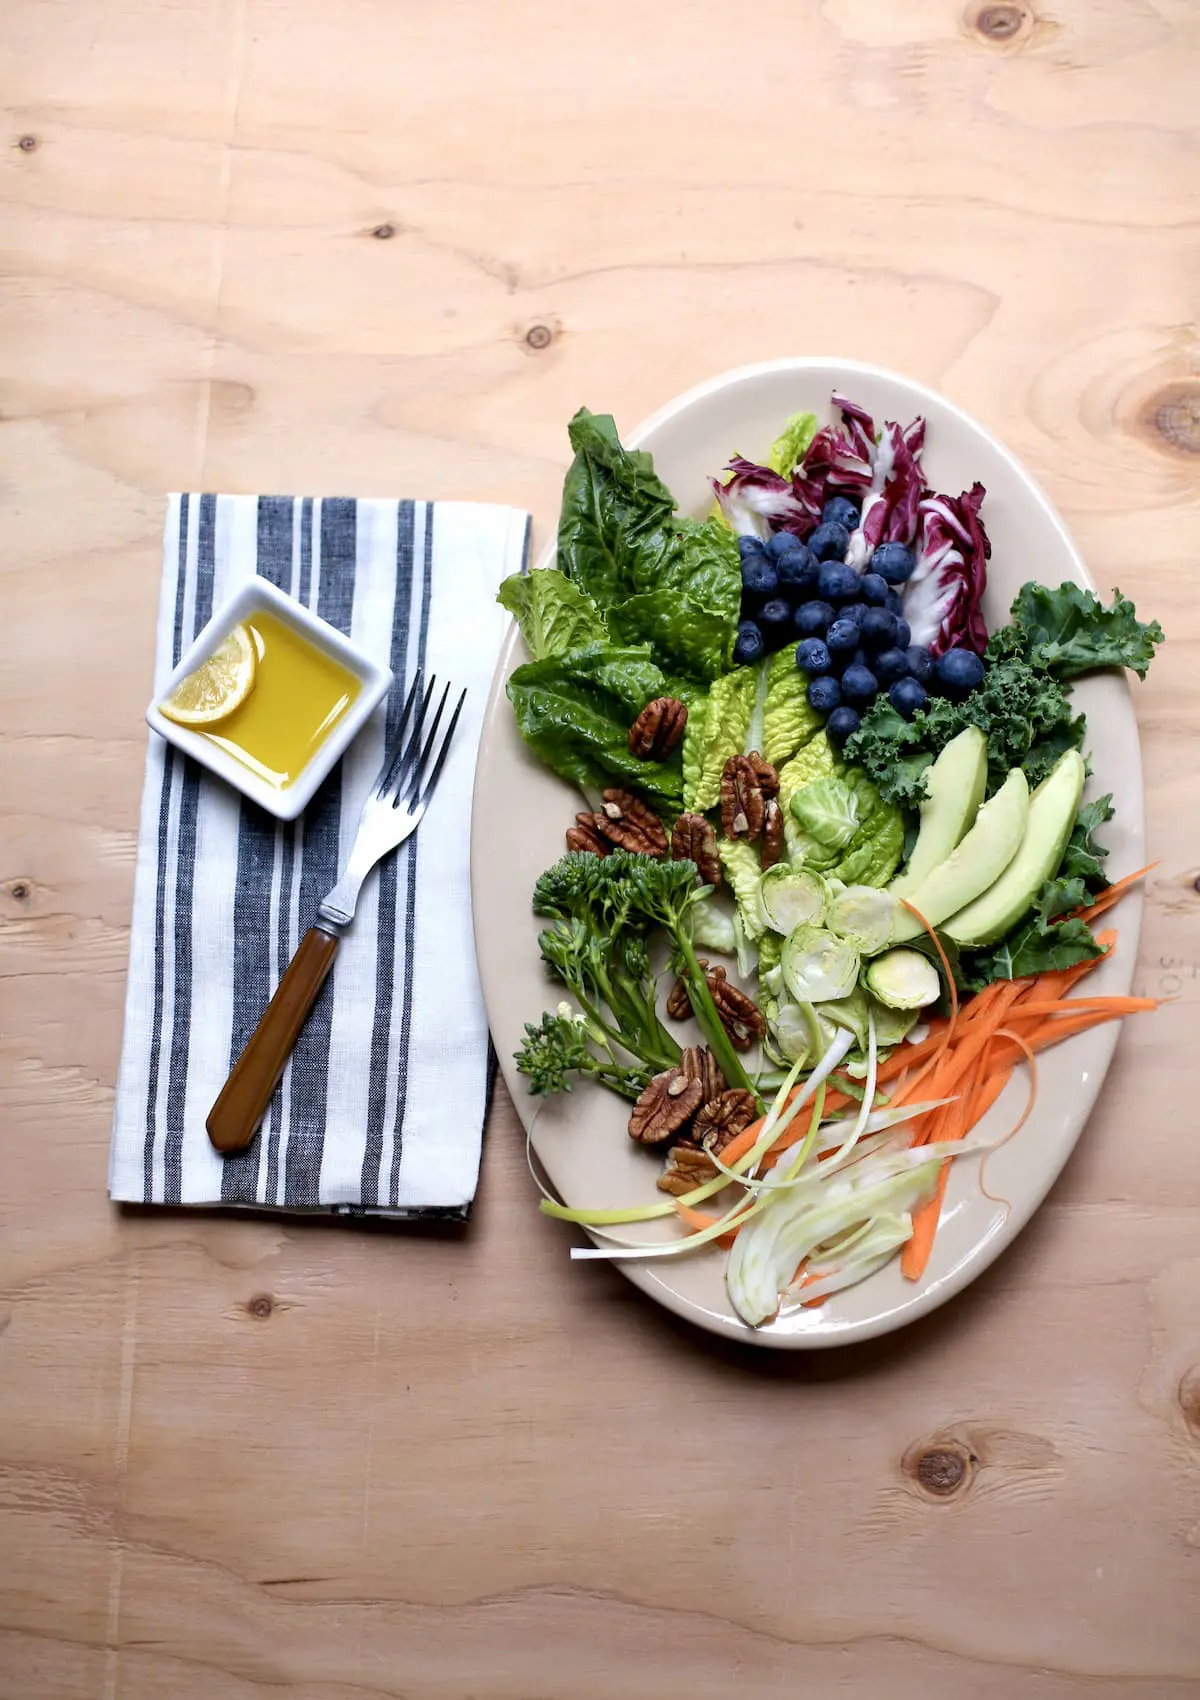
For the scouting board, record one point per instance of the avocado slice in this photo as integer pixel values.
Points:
(954, 788)
(1052, 811)
(977, 863)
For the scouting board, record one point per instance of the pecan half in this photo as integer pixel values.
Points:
(658, 728)
(742, 801)
(585, 835)
(687, 1166)
(689, 1161)
(668, 1102)
(768, 779)
(773, 842)
(679, 1004)
(694, 840)
(725, 1116)
(631, 824)
(698, 1064)
(740, 1015)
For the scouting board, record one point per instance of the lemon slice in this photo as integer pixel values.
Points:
(218, 685)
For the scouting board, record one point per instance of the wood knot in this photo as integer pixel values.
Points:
(261, 1306)
(1001, 23)
(20, 890)
(1189, 1400)
(942, 1468)
(1172, 416)
(384, 232)
(27, 144)
(539, 336)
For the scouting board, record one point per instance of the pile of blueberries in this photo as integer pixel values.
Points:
(854, 640)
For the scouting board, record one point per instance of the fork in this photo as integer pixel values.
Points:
(395, 804)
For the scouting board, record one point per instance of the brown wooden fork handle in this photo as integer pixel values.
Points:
(245, 1095)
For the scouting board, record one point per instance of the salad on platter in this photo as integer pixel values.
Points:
(825, 816)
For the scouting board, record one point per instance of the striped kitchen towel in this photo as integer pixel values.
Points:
(381, 1107)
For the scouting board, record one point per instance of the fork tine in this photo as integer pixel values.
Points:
(406, 752)
(413, 788)
(445, 749)
(393, 754)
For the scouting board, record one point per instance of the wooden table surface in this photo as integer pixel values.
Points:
(389, 246)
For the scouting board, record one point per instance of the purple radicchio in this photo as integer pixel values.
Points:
(943, 598)
(840, 457)
(890, 507)
(756, 501)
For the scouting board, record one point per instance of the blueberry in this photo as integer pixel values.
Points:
(879, 629)
(812, 657)
(907, 696)
(824, 695)
(960, 671)
(842, 637)
(853, 611)
(775, 622)
(830, 542)
(890, 665)
(860, 658)
(894, 562)
(749, 646)
(782, 543)
(903, 632)
(859, 684)
(797, 570)
(840, 510)
(749, 547)
(920, 663)
(837, 583)
(873, 590)
(760, 582)
(843, 723)
(813, 618)
(893, 604)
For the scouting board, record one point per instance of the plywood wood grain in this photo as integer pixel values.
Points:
(389, 248)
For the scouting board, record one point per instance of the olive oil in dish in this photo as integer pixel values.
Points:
(299, 695)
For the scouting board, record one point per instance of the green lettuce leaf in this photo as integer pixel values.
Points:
(743, 870)
(615, 508)
(827, 809)
(875, 852)
(792, 444)
(575, 710)
(1069, 632)
(674, 583)
(553, 614)
(716, 729)
(788, 721)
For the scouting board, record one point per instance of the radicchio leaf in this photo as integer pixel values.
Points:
(756, 501)
(943, 598)
(890, 509)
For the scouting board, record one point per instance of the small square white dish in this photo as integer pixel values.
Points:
(287, 801)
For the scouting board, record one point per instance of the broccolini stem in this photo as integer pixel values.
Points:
(710, 1023)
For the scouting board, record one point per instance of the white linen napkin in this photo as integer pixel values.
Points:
(382, 1105)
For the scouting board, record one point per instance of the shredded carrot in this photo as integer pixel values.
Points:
(1113, 893)
(1058, 1006)
(698, 1220)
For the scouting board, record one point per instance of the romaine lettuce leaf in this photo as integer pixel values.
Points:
(575, 711)
(742, 866)
(554, 615)
(788, 721)
(874, 853)
(716, 729)
(791, 445)
(817, 759)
